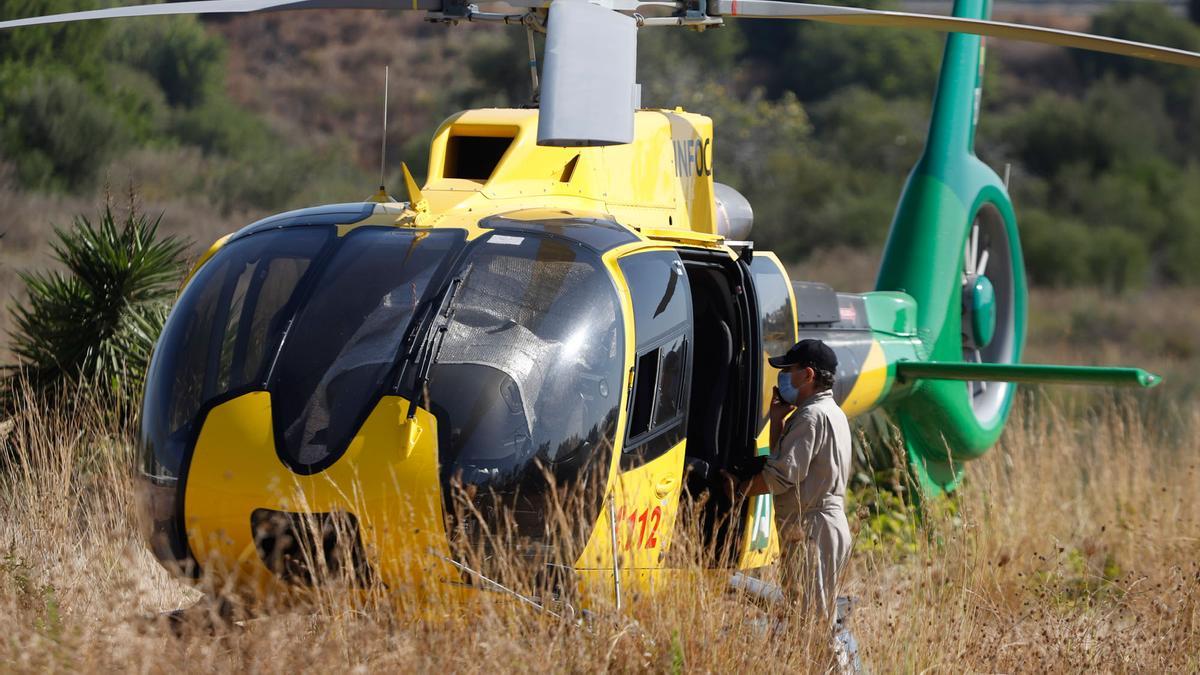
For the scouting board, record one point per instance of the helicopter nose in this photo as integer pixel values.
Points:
(374, 515)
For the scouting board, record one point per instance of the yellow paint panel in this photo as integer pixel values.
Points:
(685, 236)
(396, 498)
(212, 250)
(663, 179)
(642, 536)
(868, 388)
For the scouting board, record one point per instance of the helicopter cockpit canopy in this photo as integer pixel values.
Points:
(527, 385)
(526, 338)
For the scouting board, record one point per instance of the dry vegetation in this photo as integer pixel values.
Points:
(1073, 546)
(321, 74)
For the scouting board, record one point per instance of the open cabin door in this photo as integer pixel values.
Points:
(647, 490)
(775, 305)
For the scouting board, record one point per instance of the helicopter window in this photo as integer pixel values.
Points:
(474, 157)
(220, 334)
(670, 382)
(777, 322)
(528, 381)
(643, 394)
(662, 319)
(344, 341)
(658, 388)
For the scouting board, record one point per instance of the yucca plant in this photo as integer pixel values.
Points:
(94, 323)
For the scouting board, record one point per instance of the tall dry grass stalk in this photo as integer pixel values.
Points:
(1074, 545)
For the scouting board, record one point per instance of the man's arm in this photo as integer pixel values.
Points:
(780, 409)
(788, 464)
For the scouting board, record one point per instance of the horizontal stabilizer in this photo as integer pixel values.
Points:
(1026, 373)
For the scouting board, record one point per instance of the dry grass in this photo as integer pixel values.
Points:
(1073, 546)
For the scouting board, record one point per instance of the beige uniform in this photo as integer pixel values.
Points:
(807, 473)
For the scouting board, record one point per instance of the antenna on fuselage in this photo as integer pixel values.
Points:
(382, 195)
(536, 94)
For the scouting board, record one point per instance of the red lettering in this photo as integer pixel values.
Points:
(644, 518)
(655, 519)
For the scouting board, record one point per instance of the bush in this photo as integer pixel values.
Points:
(1114, 123)
(56, 130)
(1144, 22)
(187, 62)
(814, 61)
(75, 45)
(140, 103)
(220, 128)
(97, 322)
(1060, 251)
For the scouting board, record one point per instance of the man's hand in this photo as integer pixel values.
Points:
(780, 408)
(737, 490)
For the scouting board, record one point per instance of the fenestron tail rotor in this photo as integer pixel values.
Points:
(989, 321)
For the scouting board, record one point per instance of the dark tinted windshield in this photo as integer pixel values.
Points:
(343, 303)
(219, 335)
(528, 383)
(343, 343)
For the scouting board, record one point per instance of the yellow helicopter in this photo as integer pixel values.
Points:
(562, 335)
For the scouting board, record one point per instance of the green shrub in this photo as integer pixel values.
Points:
(1180, 261)
(75, 45)
(1115, 123)
(1061, 251)
(1053, 247)
(221, 128)
(1144, 22)
(139, 101)
(187, 62)
(814, 61)
(97, 321)
(56, 130)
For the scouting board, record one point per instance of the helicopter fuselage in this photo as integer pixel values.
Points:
(547, 352)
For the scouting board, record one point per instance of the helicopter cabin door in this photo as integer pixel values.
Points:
(776, 308)
(647, 491)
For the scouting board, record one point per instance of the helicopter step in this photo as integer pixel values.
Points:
(845, 645)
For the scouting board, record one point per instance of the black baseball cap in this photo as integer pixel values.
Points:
(813, 354)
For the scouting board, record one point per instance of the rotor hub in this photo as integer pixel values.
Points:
(980, 303)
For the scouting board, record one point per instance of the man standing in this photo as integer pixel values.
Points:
(807, 473)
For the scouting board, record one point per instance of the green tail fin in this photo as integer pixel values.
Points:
(949, 194)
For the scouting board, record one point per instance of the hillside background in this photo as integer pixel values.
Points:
(215, 123)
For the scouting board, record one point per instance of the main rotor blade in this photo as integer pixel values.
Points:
(221, 7)
(857, 16)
